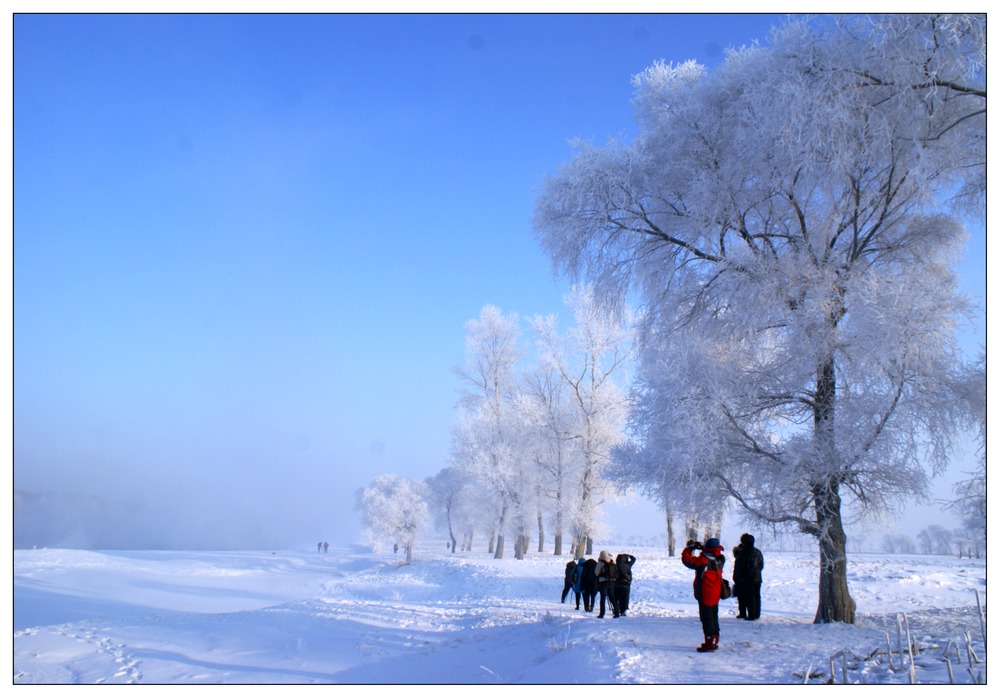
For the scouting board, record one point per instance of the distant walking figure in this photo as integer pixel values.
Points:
(319, 547)
(326, 547)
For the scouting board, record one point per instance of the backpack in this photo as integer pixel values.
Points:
(726, 590)
(624, 570)
(612, 571)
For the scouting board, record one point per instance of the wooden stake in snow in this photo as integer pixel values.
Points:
(982, 619)
(909, 648)
(899, 639)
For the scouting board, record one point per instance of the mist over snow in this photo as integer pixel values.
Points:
(354, 617)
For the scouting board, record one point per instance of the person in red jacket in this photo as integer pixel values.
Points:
(707, 566)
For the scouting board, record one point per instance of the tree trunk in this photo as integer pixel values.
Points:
(501, 525)
(409, 553)
(590, 545)
(835, 602)
(691, 526)
(541, 533)
(521, 542)
(557, 547)
(451, 533)
(670, 534)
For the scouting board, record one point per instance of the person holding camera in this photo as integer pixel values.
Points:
(707, 565)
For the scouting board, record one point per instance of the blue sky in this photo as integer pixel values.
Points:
(245, 246)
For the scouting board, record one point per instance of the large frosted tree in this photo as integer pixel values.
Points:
(789, 222)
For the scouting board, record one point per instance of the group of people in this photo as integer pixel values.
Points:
(707, 561)
(610, 578)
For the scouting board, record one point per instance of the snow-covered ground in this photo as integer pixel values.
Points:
(354, 617)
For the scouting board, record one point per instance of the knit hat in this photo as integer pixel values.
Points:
(713, 543)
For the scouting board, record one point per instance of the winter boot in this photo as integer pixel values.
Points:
(710, 645)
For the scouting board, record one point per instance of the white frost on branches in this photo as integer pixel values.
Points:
(393, 510)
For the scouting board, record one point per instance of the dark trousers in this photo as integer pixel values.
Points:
(622, 591)
(566, 589)
(709, 616)
(607, 590)
(752, 597)
(588, 599)
(741, 600)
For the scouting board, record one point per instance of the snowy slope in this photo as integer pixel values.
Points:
(351, 616)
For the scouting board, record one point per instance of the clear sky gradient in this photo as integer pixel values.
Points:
(245, 246)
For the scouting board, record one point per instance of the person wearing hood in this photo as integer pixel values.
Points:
(746, 574)
(607, 580)
(707, 565)
(571, 581)
(624, 561)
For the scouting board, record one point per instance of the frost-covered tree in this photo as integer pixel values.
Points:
(790, 222)
(393, 509)
(487, 440)
(970, 492)
(936, 540)
(554, 448)
(448, 497)
(589, 358)
(894, 543)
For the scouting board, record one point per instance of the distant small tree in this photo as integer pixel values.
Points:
(446, 495)
(897, 543)
(936, 540)
(393, 509)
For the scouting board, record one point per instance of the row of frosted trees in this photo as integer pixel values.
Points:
(539, 414)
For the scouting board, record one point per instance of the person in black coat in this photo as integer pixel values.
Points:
(741, 599)
(607, 581)
(589, 584)
(570, 582)
(747, 576)
(623, 587)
